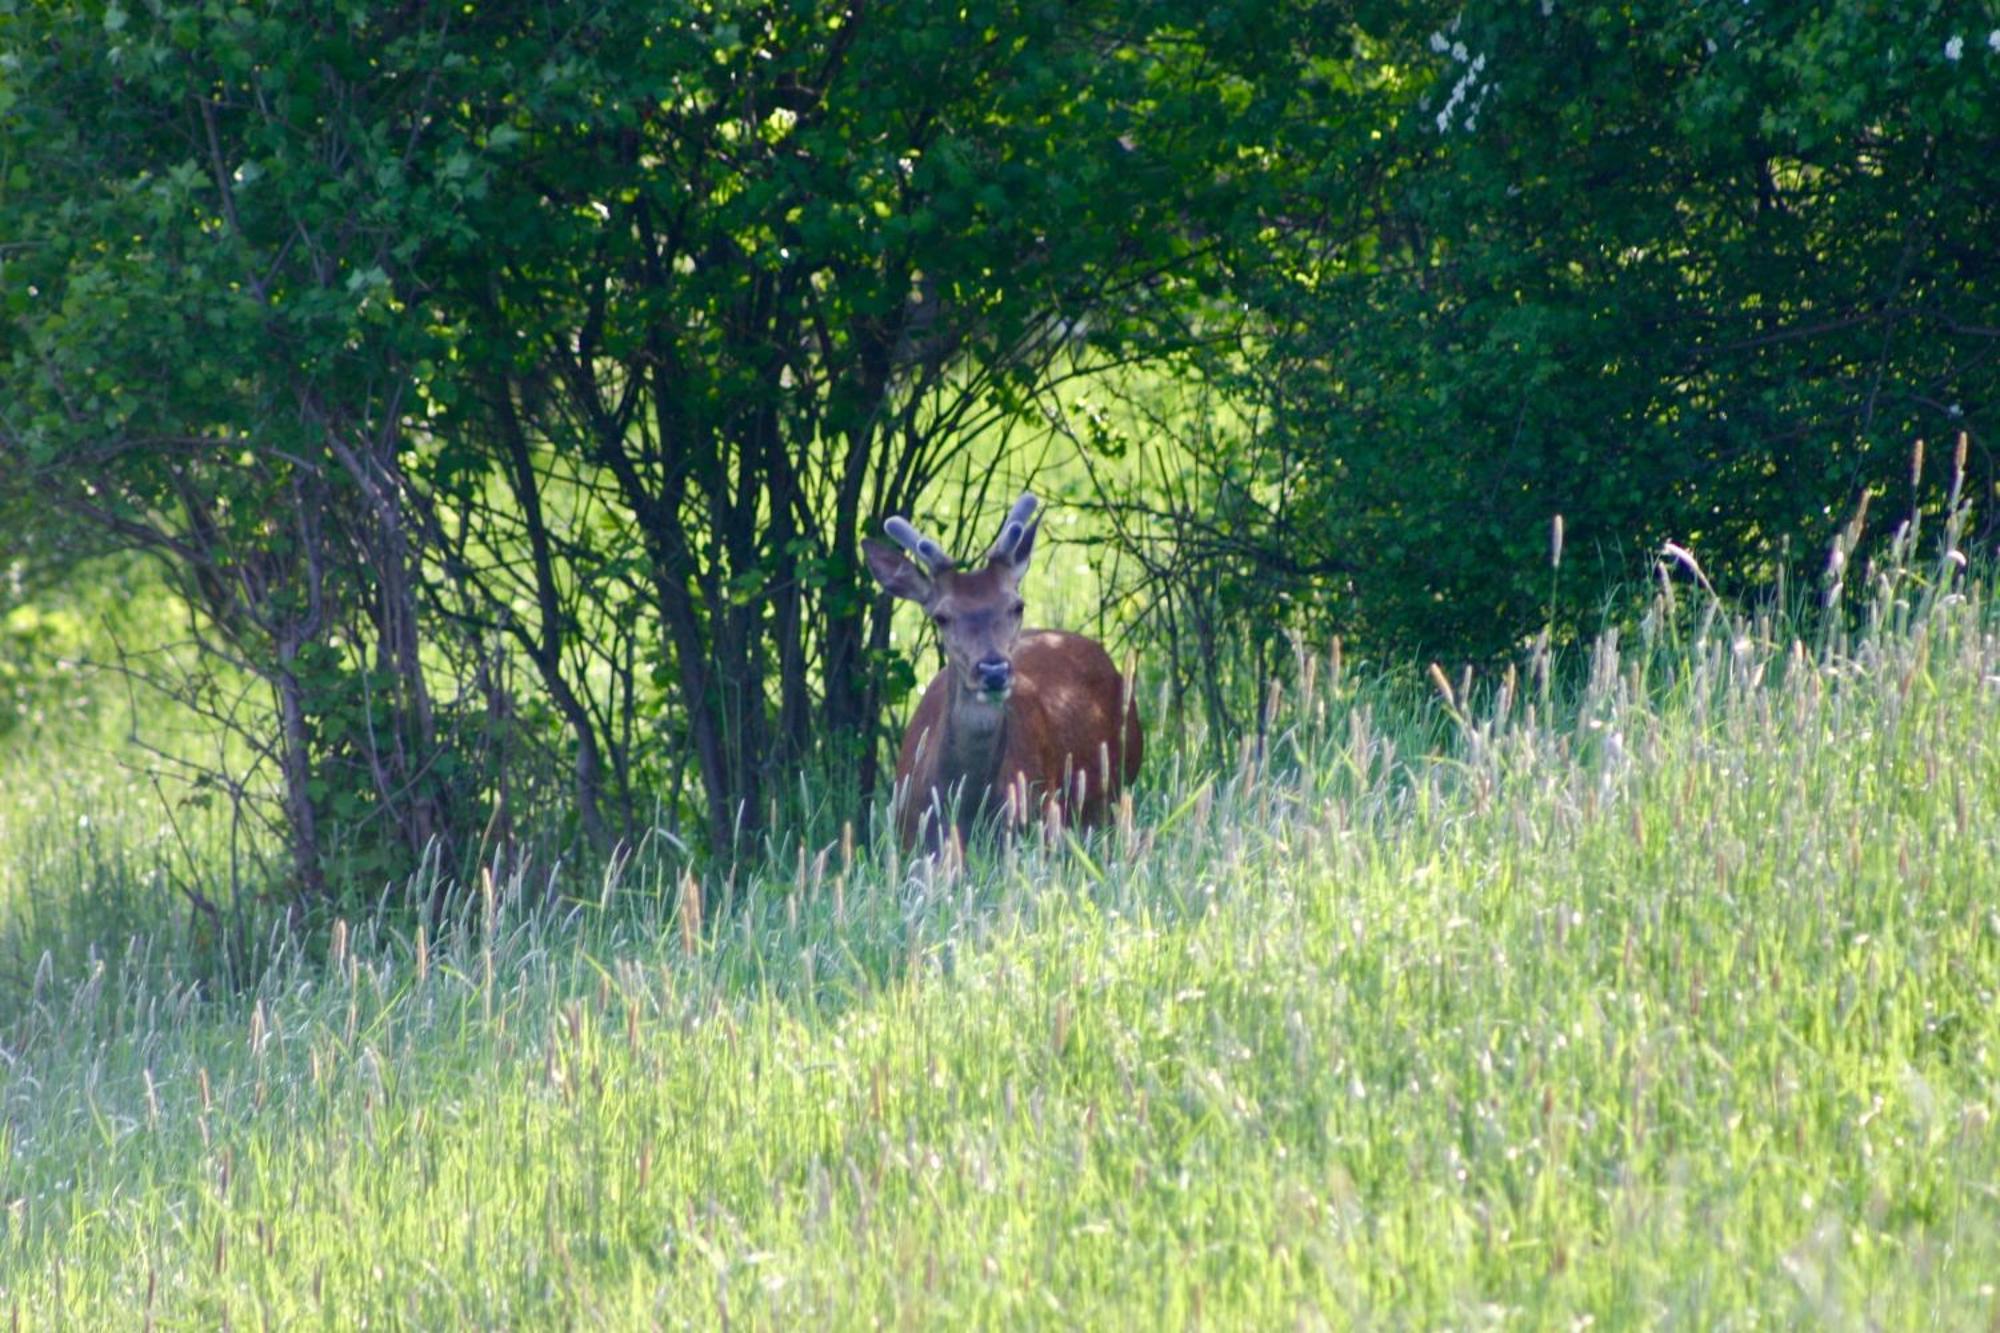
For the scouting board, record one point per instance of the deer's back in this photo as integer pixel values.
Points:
(1069, 691)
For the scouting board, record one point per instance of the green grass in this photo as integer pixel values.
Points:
(1669, 1001)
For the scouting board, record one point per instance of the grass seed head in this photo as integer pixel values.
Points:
(1443, 683)
(690, 913)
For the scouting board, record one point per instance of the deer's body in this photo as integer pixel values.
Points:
(1055, 738)
(1017, 721)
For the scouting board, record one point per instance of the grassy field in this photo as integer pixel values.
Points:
(1668, 997)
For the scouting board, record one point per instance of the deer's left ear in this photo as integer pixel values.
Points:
(899, 575)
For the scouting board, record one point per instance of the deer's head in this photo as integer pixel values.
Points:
(977, 611)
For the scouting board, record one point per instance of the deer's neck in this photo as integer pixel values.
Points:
(975, 738)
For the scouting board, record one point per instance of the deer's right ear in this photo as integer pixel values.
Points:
(895, 572)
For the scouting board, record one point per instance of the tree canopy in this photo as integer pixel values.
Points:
(1699, 273)
(507, 388)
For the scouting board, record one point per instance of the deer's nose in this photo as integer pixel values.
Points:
(995, 673)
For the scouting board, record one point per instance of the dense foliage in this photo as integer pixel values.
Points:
(500, 382)
(1689, 272)
(506, 389)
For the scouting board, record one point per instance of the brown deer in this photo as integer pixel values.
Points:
(1018, 720)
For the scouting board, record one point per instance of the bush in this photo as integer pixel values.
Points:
(1697, 273)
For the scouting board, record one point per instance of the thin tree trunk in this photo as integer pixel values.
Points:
(545, 648)
(295, 763)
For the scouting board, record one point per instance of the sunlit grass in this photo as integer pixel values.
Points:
(1667, 999)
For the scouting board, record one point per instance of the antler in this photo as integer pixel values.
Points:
(1015, 528)
(928, 552)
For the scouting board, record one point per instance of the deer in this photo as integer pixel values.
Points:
(1018, 722)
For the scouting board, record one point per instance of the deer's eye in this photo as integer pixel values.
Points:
(942, 622)
(1017, 609)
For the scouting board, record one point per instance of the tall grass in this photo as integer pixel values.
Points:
(1667, 997)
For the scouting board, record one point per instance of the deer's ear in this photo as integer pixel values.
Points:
(896, 573)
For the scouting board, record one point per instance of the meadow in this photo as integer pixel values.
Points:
(1656, 986)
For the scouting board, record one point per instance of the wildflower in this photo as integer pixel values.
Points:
(1954, 48)
(1993, 40)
